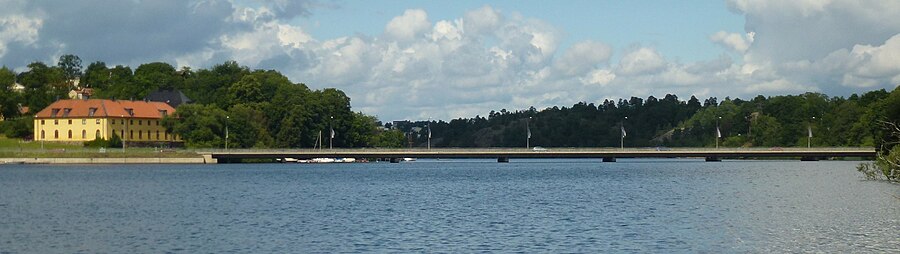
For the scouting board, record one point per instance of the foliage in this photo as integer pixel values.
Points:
(22, 127)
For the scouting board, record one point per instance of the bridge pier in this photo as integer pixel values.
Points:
(609, 159)
(713, 159)
(503, 160)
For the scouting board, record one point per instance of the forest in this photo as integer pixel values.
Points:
(264, 109)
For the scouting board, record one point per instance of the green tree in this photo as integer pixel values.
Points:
(198, 125)
(70, 66)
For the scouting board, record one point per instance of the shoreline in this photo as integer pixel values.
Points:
(132, 160)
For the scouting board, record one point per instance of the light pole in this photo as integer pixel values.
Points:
(622, 127)
(749, 126)
(123, 134)
(718, 132)
(809, 137)
(227, 118)
(527, 133)
(331, 139)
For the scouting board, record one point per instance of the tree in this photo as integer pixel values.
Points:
(198, 125)
(96, 76)
(152, 76)
(8, 99)
(70, 65)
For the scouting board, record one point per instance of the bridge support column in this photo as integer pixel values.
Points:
(503, 159)
(609, 159)
(809, 158)
(713, 158)
(395, 160)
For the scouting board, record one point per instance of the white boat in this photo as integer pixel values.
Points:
(348, 160)
(322, 160)
(409, 159)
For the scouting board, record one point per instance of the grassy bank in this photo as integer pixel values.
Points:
(17, 148)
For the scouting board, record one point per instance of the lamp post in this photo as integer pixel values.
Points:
(227, 118)
(809, 137)
(622, 127)
(718, 132)
(331, 139)
(528, 133)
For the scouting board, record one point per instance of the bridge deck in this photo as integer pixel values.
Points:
(549, 153)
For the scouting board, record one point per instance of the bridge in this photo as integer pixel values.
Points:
(505, 154)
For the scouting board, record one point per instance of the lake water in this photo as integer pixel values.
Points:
(449, 206)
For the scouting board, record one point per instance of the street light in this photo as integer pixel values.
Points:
(809, 137)
(123, 134)
(622, 127)
(718, 132)
(527, 133)
(226, 132)
(331, 140)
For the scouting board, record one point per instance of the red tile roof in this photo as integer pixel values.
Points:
(105, 108)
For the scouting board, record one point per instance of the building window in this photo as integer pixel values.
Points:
(42, 123)
(131, 135)
(97, 135)
(55, 122)
(122, 133)
(92, 111)
(131, 122)
(140, 122)
(55, 134)
(122, 121)
(140, 135)
(70, 121)
(83, 121)
(98, 120)
(157, 135)
(83, 134)
(157, 122)
(42, 134)
(70, 134)
(54, 112)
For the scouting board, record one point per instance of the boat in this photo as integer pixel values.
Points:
(409, 159)
(322, 160)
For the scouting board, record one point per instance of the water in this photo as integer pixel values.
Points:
(449, 206)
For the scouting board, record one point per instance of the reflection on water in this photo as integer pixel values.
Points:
(454, 206)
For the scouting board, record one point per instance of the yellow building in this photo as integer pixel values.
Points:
(86, 120)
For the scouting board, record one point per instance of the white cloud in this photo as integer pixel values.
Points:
(733, 41)
(486, 59)
(408, 26)
(641, 61)
(18, 28)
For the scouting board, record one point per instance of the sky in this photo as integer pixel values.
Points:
(449, 59)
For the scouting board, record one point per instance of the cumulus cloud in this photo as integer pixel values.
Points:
(485, 59)
(642, 61)
(407, 26)
(733, 41)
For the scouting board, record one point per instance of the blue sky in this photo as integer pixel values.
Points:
(679, 28)
(448, 59)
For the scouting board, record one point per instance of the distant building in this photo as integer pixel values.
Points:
(81, 93)
(18, 88)
(86, 120)
(173, 97)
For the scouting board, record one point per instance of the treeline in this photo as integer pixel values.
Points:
(259, 108)
(759, 122)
